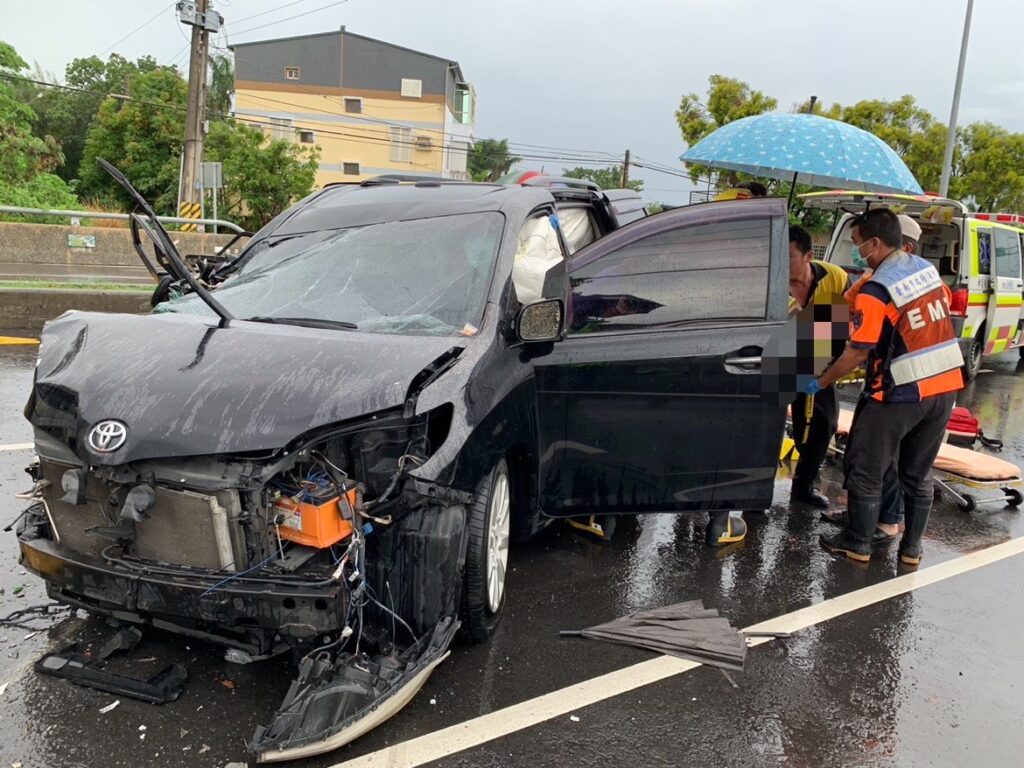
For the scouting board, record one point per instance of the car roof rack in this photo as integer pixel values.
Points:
(403, 178)
(560, 181)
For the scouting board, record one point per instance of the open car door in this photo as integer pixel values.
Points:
(1004, 270)
(652, 402)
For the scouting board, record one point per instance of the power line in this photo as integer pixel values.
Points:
(272, 10)
(353, 138)
(514, 147)
(146, 23)
(290, 18)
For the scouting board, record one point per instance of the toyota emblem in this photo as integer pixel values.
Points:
(107, 436)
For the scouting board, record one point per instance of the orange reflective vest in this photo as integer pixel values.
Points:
(918, 356)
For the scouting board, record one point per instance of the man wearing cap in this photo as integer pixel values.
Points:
(903, 332)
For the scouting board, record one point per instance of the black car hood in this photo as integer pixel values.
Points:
(184, 387)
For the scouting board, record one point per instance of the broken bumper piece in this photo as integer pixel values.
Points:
(163, 687)
(334, 702)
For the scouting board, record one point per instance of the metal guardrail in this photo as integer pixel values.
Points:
(117, 216)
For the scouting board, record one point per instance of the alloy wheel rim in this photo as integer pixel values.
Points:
(497, 541)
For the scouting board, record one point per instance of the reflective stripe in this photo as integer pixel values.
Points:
(920, 365)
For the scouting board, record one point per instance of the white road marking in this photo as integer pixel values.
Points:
(471, 733)
(17, 447)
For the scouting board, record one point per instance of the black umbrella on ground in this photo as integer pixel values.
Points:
(687, 630)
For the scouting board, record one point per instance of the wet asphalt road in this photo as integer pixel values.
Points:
(934, 677)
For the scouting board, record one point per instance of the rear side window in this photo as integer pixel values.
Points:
(1007, 253)
(708, 272)
(578, 227)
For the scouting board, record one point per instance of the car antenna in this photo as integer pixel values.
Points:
(166, 244)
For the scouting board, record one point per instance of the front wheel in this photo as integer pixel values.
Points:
(972, 361)
(487, 554)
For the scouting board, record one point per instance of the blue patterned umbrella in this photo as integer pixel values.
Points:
(823, 152)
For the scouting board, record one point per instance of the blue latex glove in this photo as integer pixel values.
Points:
(812, 387)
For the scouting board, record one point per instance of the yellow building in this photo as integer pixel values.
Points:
(373, 108)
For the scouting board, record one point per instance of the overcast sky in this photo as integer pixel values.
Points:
(602, 76)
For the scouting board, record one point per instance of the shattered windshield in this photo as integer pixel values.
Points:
(427, 276)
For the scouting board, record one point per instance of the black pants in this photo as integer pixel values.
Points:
(904, 435)
(824, 420)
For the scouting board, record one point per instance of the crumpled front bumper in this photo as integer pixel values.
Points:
(241, 614)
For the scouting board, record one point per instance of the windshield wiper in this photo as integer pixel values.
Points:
(305, 322)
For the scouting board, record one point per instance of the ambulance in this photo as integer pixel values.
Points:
(978, 255)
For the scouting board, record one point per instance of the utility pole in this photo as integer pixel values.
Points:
(625, 171)
(947, 160)
(195, 13)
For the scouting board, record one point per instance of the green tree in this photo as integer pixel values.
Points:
(141, 137)
(605, 178)
(728, 100)
(221, 85)
(67, 115)
(26, 160)
(991, 172)
(490, 160)
(261, 177)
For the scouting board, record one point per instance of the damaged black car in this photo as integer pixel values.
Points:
(324, 445)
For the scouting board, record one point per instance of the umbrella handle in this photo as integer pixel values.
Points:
(571, 633)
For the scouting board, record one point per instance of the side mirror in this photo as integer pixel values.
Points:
(541, 321)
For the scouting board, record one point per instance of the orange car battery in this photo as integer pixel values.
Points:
(319, 524)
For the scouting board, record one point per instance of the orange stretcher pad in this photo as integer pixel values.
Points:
(956, 461)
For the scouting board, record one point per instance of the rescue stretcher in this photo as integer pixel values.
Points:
(955, 466)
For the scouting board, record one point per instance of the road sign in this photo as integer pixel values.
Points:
(213, 177)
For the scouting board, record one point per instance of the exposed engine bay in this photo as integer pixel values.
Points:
(327, 550)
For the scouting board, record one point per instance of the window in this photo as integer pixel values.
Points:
(291, 73)
(353, 105)
(577, 227)
(401, 144)
(985, 251)
(1007, 253)
(537, 251)
(350, 169)
(306, 137)
(413, 89)
(280, 128)
(693, 274)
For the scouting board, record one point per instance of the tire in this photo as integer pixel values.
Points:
(973, 362)
(1015, 498)
(489, 515)
(969, 503)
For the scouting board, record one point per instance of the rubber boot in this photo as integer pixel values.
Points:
(724, 529)
(916, 511)
(854, 541)
(808, 494)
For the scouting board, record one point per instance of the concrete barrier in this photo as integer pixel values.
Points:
(24, 311)
(60, 252)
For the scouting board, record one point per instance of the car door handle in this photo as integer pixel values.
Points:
(744, 361)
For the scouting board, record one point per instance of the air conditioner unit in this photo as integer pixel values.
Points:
(306, 137)
(424, 142)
